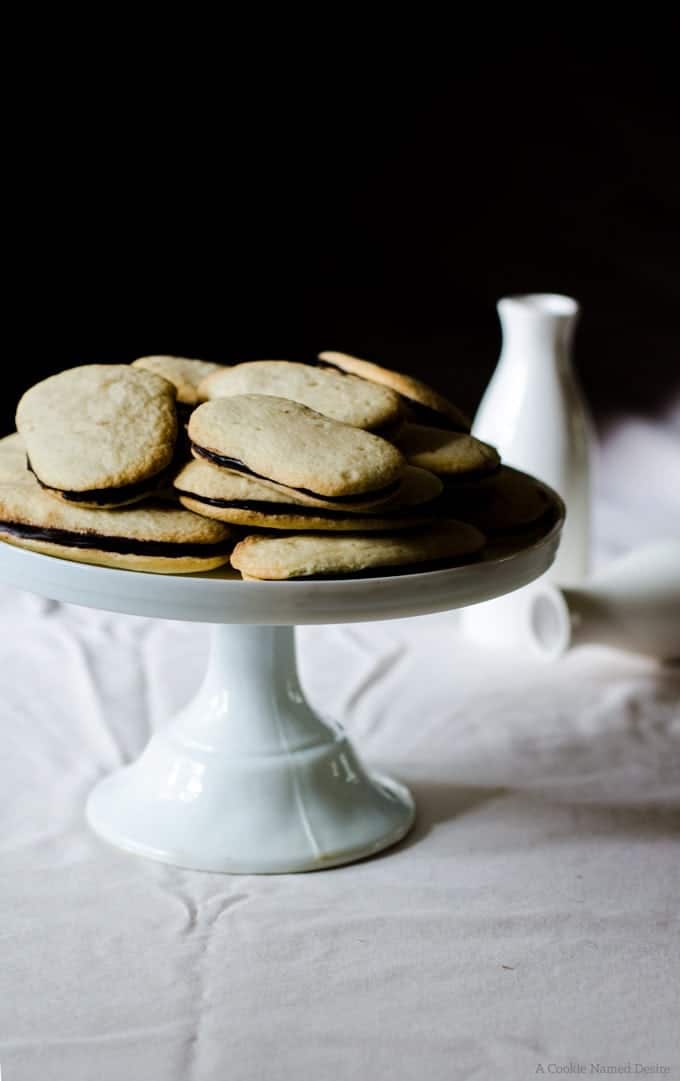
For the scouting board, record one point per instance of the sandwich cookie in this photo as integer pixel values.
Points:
(502, 504)
(183, 372)
(322, 556)
(245, 501)
(100, 435)
(13, 467)
(156, 538)
(451, 455)
(296, 450)
(425, 404)
(333, 393)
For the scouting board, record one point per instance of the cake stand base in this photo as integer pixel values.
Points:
(247, 778)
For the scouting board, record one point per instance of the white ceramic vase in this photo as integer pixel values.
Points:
(534, 413)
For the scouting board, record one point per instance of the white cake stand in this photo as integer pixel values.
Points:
(247, 778)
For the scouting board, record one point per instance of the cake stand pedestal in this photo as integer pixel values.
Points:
(248, 778)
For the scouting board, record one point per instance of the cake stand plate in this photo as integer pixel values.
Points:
(247, 778)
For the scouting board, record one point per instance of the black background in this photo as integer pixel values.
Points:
(208, 198)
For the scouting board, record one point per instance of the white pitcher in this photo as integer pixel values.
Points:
(533, 411)
(632, 604)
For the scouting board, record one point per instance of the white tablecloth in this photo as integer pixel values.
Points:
(530, 921)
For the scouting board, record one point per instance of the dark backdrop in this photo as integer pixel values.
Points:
(378, 202)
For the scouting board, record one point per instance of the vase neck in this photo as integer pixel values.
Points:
(538, 327)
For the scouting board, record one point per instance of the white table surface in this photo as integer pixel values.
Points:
(531, 919)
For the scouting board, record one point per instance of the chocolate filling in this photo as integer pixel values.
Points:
(107, 496)
(237, 466)
(275, 509)
(124, 545)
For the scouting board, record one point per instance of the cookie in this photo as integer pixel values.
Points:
(293, 447)
(333, 393)
(448, 454)
(157, 538)
(425, 404)
(245, 501)
(100, 435)
(320, 556)
(13, 467)
(504, 503)
(184, 373)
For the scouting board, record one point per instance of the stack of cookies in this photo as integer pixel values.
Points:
(289, 470)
